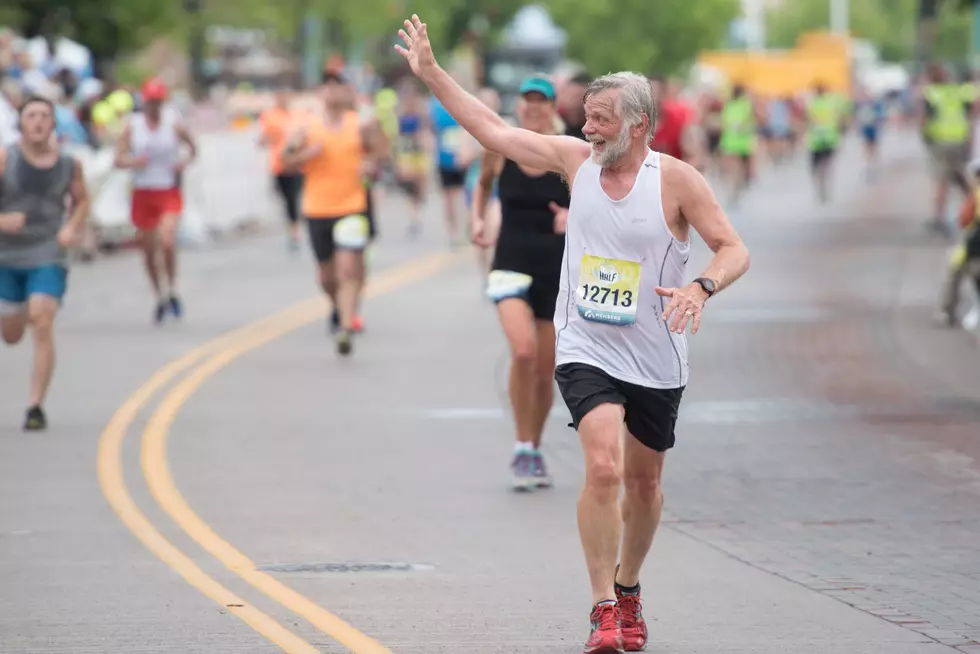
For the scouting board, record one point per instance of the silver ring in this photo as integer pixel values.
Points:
(688, 313)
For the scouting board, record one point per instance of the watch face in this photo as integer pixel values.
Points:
(707, 285)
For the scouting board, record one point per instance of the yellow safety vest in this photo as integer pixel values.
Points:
(950, 122)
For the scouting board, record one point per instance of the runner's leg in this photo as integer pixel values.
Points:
(544, 379)
(168, 245)
(41, 310)
(451, 199)
(347, 266)
(13, 326)
(517, 320)
(599, 515)
(147, 241)
(328, 280)
(643, 501)
(13, 305)
(544, 394)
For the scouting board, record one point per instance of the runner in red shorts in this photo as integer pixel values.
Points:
(150, 146)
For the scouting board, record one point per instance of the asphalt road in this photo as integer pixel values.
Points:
(261, 493)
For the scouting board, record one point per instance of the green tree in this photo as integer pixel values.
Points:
(612, 35)
(890, 24)
(107, 27)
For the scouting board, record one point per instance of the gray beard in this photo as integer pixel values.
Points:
(614, 152)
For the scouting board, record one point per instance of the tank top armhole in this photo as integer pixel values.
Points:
(11, 166)
(67, 163)
(578, 175)
(658, 167)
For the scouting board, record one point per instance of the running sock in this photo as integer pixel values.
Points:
(628, 590)
(606, 603)
(523, 448)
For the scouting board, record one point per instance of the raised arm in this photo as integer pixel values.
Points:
(560, 154)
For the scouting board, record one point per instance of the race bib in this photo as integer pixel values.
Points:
(351, 232)
(608, 290)
(503, 284)
(452, 140)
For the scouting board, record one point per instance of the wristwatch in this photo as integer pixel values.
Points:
(707, 284)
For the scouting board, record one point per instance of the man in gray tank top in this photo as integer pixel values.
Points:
(623, 308)
(37, 182)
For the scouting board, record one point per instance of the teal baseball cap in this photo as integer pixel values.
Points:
(540, 85)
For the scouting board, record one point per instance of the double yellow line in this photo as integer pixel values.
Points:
(203, 362)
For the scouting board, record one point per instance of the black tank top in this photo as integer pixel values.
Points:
(527, 241)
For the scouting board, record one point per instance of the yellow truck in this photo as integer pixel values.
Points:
(818, 57)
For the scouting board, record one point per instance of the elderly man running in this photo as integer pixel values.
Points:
(624, 304)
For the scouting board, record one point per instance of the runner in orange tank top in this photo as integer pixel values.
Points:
(335, 153)
(277, 123)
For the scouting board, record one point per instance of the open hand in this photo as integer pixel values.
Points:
(685, 306)
(561, 217)
(419, 53)
(11, 223)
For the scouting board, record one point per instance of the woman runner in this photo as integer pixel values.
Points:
(525, 275)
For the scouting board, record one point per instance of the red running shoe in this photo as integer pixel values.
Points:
(606, 636)
(631, 615)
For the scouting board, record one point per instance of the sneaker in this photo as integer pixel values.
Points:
(176, 306)
(35, 420)
(539, 471)
(631, 613)
(522, 471)
(333, 323)
(160, 312)
(345, 344)
(606, 636)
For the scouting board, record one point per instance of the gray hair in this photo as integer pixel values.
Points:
(635, 97)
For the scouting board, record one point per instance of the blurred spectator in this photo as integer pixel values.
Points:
(571, 109)
(68, 127)
(676, 116)
(9, 103)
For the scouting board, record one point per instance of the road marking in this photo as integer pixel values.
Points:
(157, 470)
(113, 484)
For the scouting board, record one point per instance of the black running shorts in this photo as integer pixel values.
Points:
(327, 235)
(651, 413)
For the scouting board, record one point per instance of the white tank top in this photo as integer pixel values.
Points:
(616, 253)
(161, 146)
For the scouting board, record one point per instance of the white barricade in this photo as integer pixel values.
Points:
(227, 188)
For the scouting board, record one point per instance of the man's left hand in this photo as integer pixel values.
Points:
(67, 236)
(685, 306)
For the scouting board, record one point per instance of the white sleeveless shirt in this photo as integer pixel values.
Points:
(161, 146)
(608, 314)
